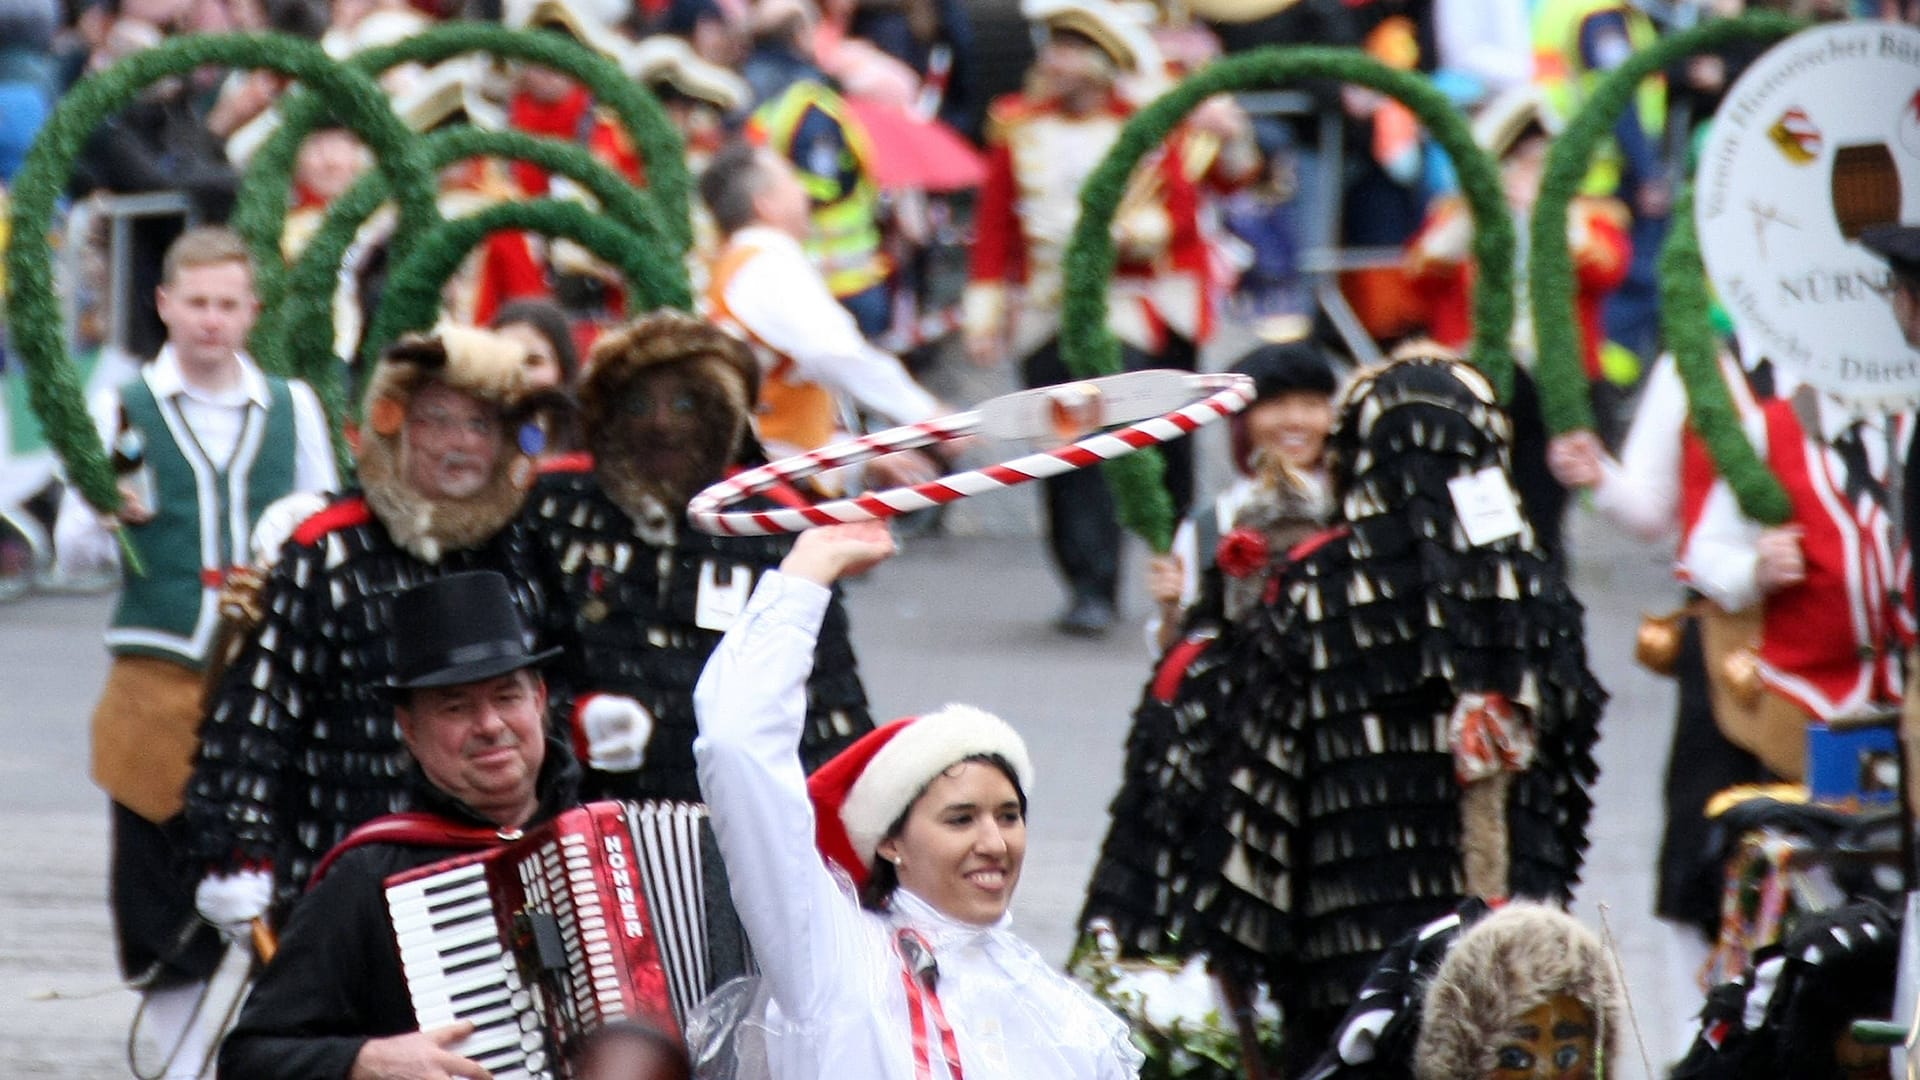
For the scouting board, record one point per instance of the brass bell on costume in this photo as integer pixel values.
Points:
(1657, 644)
(1742, 671)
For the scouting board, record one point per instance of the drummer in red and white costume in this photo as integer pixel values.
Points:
(876, 893)
(1043, 144)
(1831, 582)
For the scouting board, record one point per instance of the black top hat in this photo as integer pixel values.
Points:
(1898, 244)
(461, 628)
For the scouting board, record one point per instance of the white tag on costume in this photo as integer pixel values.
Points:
(1486, 505)
(720, 603)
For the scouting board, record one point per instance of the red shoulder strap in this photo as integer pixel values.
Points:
(412, 829)
(344, 514)
(1315, 542)
(577, 462)
(1173, 668)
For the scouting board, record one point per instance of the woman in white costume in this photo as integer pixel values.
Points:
(876, 893)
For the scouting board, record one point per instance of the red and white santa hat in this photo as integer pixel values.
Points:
(865, 788)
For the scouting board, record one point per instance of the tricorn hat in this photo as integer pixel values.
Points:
(1898, 244)
(456, 629)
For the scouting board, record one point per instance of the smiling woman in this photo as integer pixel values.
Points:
(876, 893)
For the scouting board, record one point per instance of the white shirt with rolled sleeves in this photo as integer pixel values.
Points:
(838, 1006)
(82, 540)
(779, 298)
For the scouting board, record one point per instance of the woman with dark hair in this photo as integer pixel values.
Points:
(542, 327)
(876, 893)
(1416, 720)
(553, 366)
(1280, 438)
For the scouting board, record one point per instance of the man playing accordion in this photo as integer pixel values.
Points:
(471, 707)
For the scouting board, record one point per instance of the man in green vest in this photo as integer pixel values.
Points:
(203, 442)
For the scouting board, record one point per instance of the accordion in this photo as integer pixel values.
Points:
(609, 910)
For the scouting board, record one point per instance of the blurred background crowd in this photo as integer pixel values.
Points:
(1325, 211)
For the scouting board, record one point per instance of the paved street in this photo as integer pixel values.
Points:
(955, 619)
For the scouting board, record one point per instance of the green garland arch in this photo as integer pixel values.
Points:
(303, 325)
(1689, 333)
(33, 309)
(1563, 384)
(412, 301)
(1088, 349)
(261, 211)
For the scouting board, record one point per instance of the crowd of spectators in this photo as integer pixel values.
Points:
(886, 157)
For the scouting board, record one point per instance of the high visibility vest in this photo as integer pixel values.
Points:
(791, 410)
(1569, 84)
(845, 242)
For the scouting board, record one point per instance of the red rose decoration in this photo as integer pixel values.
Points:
(1242, 553)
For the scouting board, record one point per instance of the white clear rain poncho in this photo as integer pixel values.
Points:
(833, 997)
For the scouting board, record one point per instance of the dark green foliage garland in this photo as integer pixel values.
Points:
(302, 328)
(260, 215)
(33, 309)
(1689, 334)
(1563, 384)
(412, 302)
(1090, 350)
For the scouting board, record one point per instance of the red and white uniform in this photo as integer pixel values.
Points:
(1038, 159)
(1831, 644)
(1660, 483)
(1441, 266)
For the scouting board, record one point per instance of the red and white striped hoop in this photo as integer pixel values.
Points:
(1226, 394)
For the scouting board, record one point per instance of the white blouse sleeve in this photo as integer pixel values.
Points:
(751, 706)
(1641, 492)
(1719, 559)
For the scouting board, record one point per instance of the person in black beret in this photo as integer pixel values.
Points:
(1283, 433)
(1208, 588)
(471, 705)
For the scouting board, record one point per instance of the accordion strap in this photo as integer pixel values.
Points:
(413, 829)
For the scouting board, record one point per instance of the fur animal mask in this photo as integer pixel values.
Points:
(482, 365)
(665, 405)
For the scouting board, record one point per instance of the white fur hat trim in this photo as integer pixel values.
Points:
(903, 768)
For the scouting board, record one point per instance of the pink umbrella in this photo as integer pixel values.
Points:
(912, 152)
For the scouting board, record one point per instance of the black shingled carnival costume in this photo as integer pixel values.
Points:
(1339, 825)
(1173, 747)
(634, 602)
(665, 408)
(300, 743)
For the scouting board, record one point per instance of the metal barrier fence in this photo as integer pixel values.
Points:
(112, 219)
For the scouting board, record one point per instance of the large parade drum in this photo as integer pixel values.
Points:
(1816, 142)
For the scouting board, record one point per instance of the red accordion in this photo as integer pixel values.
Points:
(609, 910)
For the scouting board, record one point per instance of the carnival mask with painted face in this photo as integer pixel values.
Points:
(1554, 1040)
(666, 433)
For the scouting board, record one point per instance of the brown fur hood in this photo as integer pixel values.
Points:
(667, 337)
(723, 380)
(488, 367)
(1506, 964)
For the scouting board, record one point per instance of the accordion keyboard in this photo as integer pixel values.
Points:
(458, 969)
